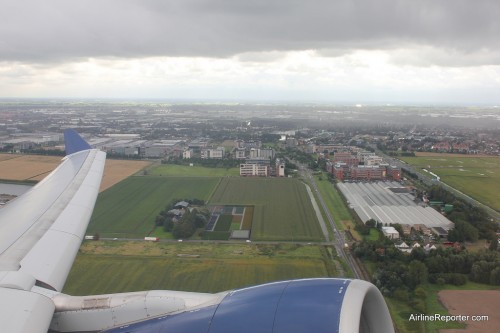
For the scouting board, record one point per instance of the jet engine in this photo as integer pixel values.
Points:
(307, 305)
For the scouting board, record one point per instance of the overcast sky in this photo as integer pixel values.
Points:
(360, 51)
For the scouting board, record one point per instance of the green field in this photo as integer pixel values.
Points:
(282, 207)
(101, 266)
(173, 170)
(334, 202)
(478, 177)
(129, 208)
(223, 223)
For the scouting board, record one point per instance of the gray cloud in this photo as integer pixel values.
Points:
(58, 30)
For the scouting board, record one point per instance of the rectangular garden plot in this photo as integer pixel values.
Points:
(229, 222)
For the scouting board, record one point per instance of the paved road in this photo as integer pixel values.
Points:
(339, 240)
(318, 214)
(123, 239)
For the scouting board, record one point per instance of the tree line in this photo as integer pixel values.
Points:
(443, 265)
(401, 276)
(471, 222)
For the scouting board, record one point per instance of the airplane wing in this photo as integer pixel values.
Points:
(40, 233)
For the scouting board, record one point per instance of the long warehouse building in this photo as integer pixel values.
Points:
(389, 202)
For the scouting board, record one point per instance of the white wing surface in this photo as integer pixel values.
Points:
(40, 233)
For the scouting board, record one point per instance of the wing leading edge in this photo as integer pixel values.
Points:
(40, 233)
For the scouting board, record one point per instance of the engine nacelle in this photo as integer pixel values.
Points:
(301, 306)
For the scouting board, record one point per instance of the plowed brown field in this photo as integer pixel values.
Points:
(35, 167)
(473, 303)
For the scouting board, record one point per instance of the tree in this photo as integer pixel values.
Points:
(463, 231)
(481, 271)
(371, 223)
(390, 277)
(493, 245)
(399, 229)
(418, 253)
(200, 221)
(417, 273)
(160, 220)
(420, 293)
(168, 225)
(495, 277)
(434, 264)
(185, 228)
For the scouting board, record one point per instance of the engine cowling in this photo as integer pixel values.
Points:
(308, 305)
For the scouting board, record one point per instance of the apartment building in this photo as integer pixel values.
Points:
(259, 167)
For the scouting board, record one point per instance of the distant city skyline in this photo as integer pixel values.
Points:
(383, 52)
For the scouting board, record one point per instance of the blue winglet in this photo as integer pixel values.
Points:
(74, 142)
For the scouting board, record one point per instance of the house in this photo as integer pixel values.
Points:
(403, 247)
(181, 205)
(406, 229)
(429, 247)
(390, 232)
(423, 229)
(176, 212)
(416, 245)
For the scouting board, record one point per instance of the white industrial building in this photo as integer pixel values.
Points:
(390, 232)
(390, 203)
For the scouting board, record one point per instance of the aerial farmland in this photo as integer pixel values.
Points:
(281, 208)
(476, 176)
